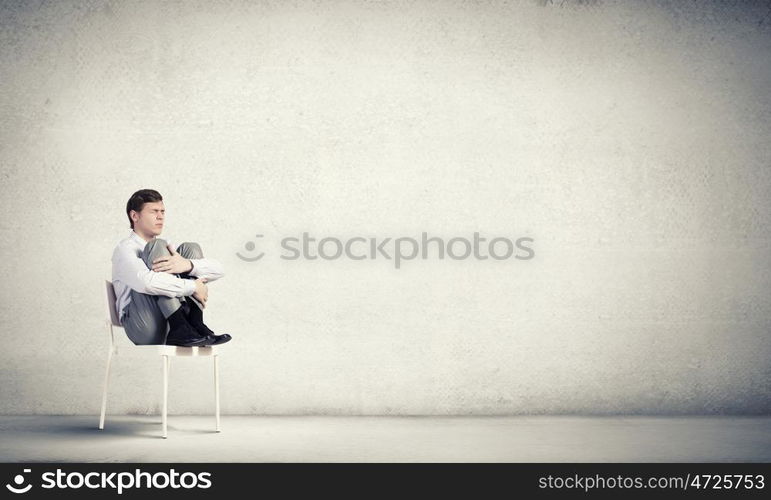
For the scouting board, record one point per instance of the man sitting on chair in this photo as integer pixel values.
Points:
(158, 287)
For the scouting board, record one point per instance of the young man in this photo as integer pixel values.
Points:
(158, 287)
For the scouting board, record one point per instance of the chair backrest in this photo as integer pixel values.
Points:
(112, 303)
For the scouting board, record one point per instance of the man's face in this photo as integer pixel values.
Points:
(150, 219)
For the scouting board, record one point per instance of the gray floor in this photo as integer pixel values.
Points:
(386, 439)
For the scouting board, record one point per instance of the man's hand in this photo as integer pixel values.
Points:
(201, 291)
(172, 264)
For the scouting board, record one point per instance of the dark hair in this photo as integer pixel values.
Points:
(138, 199)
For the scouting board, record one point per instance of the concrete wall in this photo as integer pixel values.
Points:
(629, 140)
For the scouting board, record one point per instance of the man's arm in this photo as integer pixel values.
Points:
(211, 269)
(131, 270)
(207, 268)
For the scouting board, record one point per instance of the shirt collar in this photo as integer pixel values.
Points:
(134, 236)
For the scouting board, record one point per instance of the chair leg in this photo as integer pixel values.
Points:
(104, 391)
(165, 392)
(217, 392)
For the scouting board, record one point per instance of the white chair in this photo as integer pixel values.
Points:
(165, 351)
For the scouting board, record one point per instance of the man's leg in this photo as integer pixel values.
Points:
(146, 317)
(190, 250)
(193, 309)
(155, 249)
(143, 321)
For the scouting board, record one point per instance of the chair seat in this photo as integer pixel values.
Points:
(172, 350)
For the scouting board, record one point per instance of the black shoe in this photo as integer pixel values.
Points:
(194, 317)
(186, 336)
(204, 331)
(219, 339)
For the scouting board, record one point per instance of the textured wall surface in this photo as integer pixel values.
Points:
(630, 140)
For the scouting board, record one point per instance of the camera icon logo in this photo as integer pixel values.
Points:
(18, 480)
(249, 245)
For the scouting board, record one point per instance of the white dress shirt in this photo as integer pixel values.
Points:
(129, 272)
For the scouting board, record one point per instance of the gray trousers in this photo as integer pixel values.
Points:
(144, 319)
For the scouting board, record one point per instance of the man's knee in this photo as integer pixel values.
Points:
(153, 249)
(155, 244)
(190, 250)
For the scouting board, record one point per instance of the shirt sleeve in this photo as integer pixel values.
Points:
(210, 269)
(131, 270)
